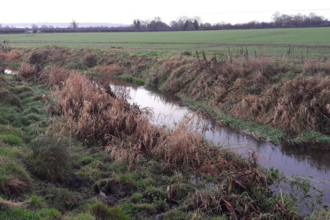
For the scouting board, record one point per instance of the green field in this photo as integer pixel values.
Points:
(268, 41)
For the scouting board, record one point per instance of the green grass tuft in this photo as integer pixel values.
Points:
(11, 139)
(133, 80)
(103, 212)
(14, 180)
(137, 197)
(22, 214)
(50, 157)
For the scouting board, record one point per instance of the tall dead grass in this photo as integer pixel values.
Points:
(54, 76)
(304, 104)
(109, 70)
(13, 56)
(246, 89)
(91, 113)
(27, 71)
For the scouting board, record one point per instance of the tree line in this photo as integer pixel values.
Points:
(184, 23)
(195, 23)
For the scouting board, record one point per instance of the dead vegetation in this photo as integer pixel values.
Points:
(13, 205)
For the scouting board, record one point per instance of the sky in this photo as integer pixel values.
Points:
(124, 11)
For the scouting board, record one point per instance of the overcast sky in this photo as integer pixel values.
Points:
(124, 11)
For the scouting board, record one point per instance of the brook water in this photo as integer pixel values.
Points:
(301, 161)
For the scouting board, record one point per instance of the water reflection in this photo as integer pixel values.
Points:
(9, 70)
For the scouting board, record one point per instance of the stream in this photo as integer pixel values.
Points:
(299, 161)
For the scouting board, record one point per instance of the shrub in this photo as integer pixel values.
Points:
(14, 180)
(103, 212)
(50, 156)
(187, 53)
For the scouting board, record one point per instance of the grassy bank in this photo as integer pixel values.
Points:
(94, 156)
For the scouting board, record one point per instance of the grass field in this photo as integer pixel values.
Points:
(313, 42)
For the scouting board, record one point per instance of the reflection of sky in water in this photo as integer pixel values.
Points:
(288, 160)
